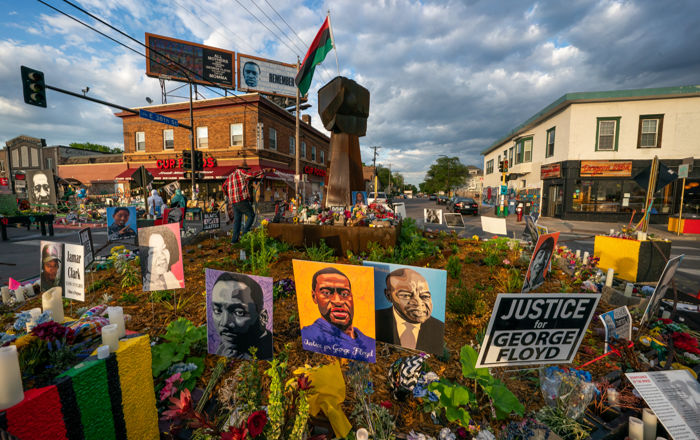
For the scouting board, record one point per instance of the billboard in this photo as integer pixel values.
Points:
(266, 76)
(206, 64)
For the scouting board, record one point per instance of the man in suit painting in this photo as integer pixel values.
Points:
(409, 322)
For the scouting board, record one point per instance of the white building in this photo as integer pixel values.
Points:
(576, 158)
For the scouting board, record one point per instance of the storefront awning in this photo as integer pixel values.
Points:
(212, 173)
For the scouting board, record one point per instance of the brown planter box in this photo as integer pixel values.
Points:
(341, 238)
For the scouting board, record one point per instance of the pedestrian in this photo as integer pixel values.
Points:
(240, 202)
(178, 200)
(155, 203)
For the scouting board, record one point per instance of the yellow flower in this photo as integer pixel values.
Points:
(475, 237)
(264, 222)
(24, 341)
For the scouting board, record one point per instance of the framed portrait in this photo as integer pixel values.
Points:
(52, 265)
(160, 251)
(359, 197)
(431, 215)
(41, 190)
(239, 314)
(336, 309)
(453, 220)
(410, 306)
(539, 263)
(121, 224)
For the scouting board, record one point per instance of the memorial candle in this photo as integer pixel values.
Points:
(649, 419)
(578, 253)
(609, 278)
(52, 300)
(629, 287)
(5, 295)
(585, 257)
(116, 316)
(636, 429)
(110, 337)
(19, 296)
(11, 390)
(612, 397)
(103, 352)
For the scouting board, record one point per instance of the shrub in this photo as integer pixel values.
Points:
(454, 267)
(322, 252)
(465, 302)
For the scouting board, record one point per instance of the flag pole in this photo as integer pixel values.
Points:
(297, 171)
(335, 50)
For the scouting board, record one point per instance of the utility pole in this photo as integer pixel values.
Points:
(374, 165)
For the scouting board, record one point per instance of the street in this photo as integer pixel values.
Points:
(20, 255)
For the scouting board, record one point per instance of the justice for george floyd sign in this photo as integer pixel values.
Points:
(536, 328)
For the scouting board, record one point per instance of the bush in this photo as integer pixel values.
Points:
(465, 302)
(454, 267)
(8, 205)
(322, 252)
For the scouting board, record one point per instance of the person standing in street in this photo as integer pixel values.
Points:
(239, 198)
(178, 200)
(155, 203)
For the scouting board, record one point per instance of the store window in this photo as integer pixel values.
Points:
(607, 134)
(140, 141)
(608, 194)
(273, 139)
(292, 145)
(550, 142)
(489, 166)
(236, 135)
(583, 196)
(632, 197)
(650, 131)
(691, 197)
(303, 149)
(168, 139)
(202, 137)
(663, 200)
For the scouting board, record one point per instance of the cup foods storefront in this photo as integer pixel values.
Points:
(606, 191)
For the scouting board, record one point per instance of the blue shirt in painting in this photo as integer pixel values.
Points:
(324, 337)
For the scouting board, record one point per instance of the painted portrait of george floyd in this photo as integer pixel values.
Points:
(239, 315)
(51, 265)
(336, 309)
(160, 252)
(41, 190)
(539, 263)
(410, 306)
(121, 223)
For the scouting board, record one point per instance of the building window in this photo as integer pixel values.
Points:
(303, 149)
(523, 150)
(2, 166)
(168, 139)
(489, 166)
(550, 142)
(15, 158)
(35, 158)
(49, 163)
(273, 139)
(140, 141)
(323, 157)
(313, 153)
(236, 135)
(510, 156)
(607, 134)
(292, 145)
(202, 137)
(25, 157)
(650, 131)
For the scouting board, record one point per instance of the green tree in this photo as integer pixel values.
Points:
(94, 147)
(411, 187)
(445, 174)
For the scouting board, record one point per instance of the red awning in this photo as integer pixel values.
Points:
(212, 173)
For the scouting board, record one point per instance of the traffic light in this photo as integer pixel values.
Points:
(198, 161)
(187, 160)
(500, 166)
(34, 87)
(505, 166)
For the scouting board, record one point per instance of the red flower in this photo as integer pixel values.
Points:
(256, 423)
(180, 408)
(235, 434)
(304, 382)
(685, 342)
(665, 321)
(386, 404)
(461, 432)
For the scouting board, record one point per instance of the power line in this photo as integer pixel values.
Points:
(278, 28)
(271, 31)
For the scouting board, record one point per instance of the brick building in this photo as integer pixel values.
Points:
(234, 131)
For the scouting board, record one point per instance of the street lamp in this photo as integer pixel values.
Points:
(189, 81)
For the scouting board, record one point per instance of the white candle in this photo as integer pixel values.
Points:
(649, 419)
(636, 429)
(612, 397)
(28, 290)
(609, 277)
(52, 300)
(612, 231)
(666, 314)
(629, 287)
(362, 434)
(585, 257)
(578, 253)
(241, 255)
(103, 352)
(5, 295)
(110, 337)
(641, 236)
(11, 390)
(116, 316)
(19, 296)
(34, 313)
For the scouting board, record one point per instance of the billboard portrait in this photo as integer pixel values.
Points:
(41, 190)
(266, 76)
(432, 215)
(161, 257)
(51, 265)
(204, 64)
(539, 263)
(239, 314)
(336, 309)
(410, 306)
(359, 198)
(121, 223)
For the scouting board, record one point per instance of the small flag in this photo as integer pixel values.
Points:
(322, 44)
(13, 284)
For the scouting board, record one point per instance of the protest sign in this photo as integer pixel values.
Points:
(618, 325)
(432, 215)
(536, 328)
(540, 261)
(211, 221)
(674, 396)
(400, 209)
(75, 271)
(453, 220)
(51, 265)
(493, 225)
(121, 224)
(86, 241)
(661, 288)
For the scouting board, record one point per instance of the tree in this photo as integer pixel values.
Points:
(445, 174)
(94, 147)
(411, 187)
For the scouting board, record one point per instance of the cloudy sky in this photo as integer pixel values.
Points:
(446, 77)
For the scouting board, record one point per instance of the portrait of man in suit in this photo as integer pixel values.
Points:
(409, 321)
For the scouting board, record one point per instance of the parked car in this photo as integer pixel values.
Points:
(441, 200)
(381, 199)
(432, 197)
(463, 205)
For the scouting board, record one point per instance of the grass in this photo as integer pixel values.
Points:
(322, 252)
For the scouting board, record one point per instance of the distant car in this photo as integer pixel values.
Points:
(463, 205)
(381, 199)
(441, 200)
(432, 197)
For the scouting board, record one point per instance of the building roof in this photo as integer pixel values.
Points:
(586, 97)
(97, 158)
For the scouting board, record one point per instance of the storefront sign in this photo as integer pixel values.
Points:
(211, 221)
(209, 162)
(550, 171)
(674, 396)
(536, 328)
(315, 171)
(605, 168)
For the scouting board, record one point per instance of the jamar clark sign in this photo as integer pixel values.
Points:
(530, 329)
